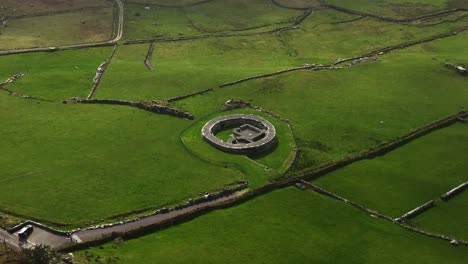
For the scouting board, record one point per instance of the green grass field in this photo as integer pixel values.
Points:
(286, 226)
(165, 21)
(75, 165)
(28, 8)
(348, 111)
(447, 217)
(393, 8)
(100, 161)
(70, 28)
(65, 74)
(407, 177)
(186, 67)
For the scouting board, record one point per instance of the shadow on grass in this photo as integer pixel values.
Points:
(263, 154)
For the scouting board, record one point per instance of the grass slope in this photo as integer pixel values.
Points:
(170, 20)
(340, 113)
(448, 218)
(54, 76)
(286, 226)
(77, 164)
(186, 67)
(69, 28)
(393, 8)
(243, 14)
(407, 177)
(28, 8)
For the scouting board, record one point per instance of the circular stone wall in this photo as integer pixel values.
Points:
(259, 134)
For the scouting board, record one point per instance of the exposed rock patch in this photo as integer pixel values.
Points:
(461, 69)
(235, 104)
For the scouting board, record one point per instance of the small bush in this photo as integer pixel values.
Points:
(41, 254)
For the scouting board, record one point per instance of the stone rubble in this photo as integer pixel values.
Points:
(235, 104)
(461, 69)
(362, 60)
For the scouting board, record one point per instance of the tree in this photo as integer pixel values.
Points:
(41, 254)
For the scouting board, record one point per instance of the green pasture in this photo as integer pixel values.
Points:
(54, 75)
(339, 113)
(189, 66)
(167, 21)
(55, 30)
(77, 164)
(407, 177)
(14, 8)
(298, 4)
(285, 226)
(394, 8)
(161, 22)
(158, 22)
(239, 15)
(167, 3)
(448, 218)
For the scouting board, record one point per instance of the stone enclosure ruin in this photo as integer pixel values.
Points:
(251, 134)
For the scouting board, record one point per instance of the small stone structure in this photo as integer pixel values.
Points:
(235, 104)
(252, 134)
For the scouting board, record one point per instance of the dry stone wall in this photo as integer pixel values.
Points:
(415, 212)
(152, 106)
(455, 191)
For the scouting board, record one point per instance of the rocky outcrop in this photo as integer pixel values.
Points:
(362, 60)
(13, 78)
(461, 69)
(235, 104)
(152, 106)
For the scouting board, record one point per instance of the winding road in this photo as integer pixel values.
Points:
(118, 36)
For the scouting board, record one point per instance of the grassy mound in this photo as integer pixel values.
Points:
(259, 168)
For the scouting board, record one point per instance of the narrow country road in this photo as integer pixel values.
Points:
(62, 240)
(118, 36)
(10, 239)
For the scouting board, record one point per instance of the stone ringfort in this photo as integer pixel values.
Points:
(251, 134)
